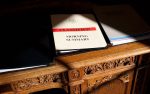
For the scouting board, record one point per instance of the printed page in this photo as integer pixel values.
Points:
(76, 31)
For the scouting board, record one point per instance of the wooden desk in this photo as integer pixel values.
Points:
(114, 70)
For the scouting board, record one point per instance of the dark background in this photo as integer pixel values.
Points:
(17, 6)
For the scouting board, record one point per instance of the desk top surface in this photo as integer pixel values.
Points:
(72, 61)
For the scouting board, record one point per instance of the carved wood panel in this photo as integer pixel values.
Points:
(114, 87)
(111, 84)
(74, 78)
(30, 83)
(100, 67)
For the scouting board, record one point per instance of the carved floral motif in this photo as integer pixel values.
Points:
(74, 74)
(108, 65)
(31, 82)
(100, 81)
(124, 78)
(75, 89)
(105, 79)
(23, 84)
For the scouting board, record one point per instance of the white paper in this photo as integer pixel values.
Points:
(79, 32)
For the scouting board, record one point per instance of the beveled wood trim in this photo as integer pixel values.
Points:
(105, 55)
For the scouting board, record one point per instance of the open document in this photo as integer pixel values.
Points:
(74, 32)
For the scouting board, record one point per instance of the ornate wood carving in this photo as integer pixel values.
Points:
(124, 78)
(75, 74)
(75, 89)
(23, 84)
(97, 82)
(105, 79)
(108, 65)
(100, 81)
(41, 80)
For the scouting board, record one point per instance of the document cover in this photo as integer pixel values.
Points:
(74, 32)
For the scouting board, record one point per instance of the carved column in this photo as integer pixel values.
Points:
(75, 80)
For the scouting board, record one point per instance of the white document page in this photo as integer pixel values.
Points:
(76, 31)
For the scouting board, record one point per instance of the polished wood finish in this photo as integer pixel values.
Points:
(101, 71)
